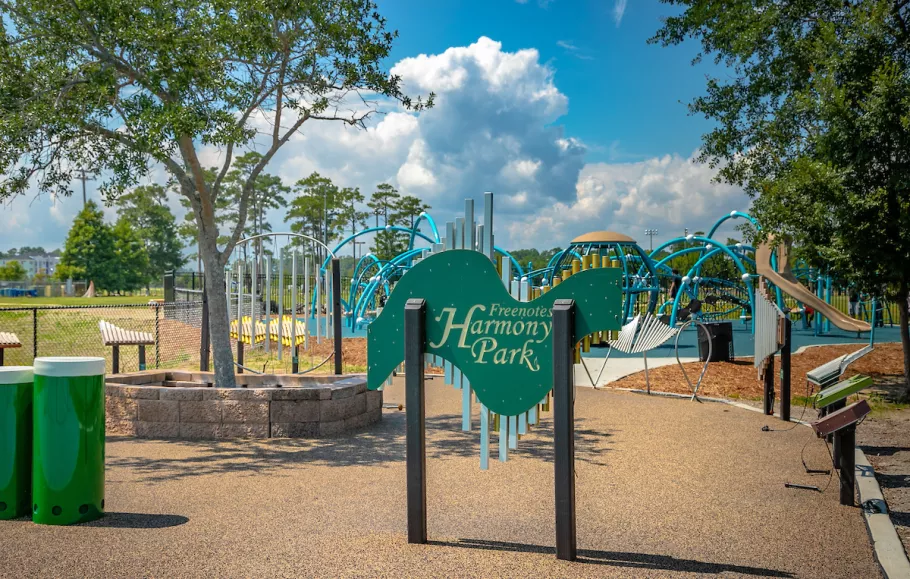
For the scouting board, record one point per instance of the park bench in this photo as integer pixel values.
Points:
(115, 337)
(8, 340)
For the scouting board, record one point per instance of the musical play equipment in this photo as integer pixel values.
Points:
(258, 291)
(16, 442)
(68, 445)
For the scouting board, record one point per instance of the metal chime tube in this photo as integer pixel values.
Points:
(317, 290)
(306, 299)
(294, 311)
(268, 303)
(280, 304)
(239, 301)
(254, 307)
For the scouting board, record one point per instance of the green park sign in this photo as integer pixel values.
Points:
(502, 346)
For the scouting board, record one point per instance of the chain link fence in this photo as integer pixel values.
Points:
(174, 329)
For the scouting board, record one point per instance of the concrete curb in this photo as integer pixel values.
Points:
(887, 545)
(889, 550)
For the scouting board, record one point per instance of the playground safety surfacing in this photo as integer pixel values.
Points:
(665, 487)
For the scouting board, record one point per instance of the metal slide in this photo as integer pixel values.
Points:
(787, 282)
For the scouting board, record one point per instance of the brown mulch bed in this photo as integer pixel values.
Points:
(740, 379)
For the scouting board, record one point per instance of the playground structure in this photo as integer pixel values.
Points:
(266, 296)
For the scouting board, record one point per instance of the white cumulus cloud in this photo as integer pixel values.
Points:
(495, 127)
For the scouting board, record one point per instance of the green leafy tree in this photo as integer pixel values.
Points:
(408, 209)
(188, 229)
(89, 252)
(813, 120)
(113, 87)
(349, 198)
(145, 209)
(323, 211)
(12, 271)
(383, 202)
(268, 193)
(537, 259)
(131, 259)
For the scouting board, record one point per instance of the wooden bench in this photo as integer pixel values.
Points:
(8, 340)
(115, 337)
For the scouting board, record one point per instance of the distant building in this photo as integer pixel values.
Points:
(35, 264)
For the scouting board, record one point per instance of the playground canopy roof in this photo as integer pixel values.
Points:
(603, 237)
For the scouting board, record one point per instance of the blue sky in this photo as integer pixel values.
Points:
(627, 99)
(559, 107)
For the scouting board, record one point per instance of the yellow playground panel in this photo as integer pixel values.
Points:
(248, 332)
(286, 331)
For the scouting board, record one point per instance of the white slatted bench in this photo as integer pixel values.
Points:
(8, 340)
(115, 337)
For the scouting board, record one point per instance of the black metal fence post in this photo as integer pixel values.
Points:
(769, 387)
(785, 370)
(415, 405)
(34, 332)
(564, 427)
(337, 318)
(169, 286)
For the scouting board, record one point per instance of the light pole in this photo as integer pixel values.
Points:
(651, 233)
(377, 212)
(83, 178)
(356, 243)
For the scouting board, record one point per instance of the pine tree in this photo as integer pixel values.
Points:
(132, 260)
(89, 252)
(146, 209)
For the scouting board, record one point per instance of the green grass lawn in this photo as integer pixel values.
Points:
(98, 301)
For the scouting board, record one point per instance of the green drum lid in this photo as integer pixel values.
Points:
(15, 375)
(64, 367)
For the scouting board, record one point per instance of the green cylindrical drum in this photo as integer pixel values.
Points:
(68, 459)
(15, 441)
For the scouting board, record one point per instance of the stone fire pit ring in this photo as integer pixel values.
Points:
(174, 404)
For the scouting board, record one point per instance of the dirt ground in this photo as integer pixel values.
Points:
(739, 379)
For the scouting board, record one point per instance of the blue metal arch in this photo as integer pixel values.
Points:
(717, 248)
(732, 215)
(350, 238)
(386, 270)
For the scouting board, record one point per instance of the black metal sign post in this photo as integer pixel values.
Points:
(564, 427)
(337, 318)
(846, 462)
(415, 403)
(785, 370)
(769, 387)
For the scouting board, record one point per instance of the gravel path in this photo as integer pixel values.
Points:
(664, 488)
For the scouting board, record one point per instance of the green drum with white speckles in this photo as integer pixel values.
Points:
(15, 441)
(68, 458)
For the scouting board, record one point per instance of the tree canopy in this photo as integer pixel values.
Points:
(114, 87)
(12, 271)
(812, 119)
(145, 210)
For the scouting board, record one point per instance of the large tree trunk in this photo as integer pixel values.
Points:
(905, 334)
(219, 322)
